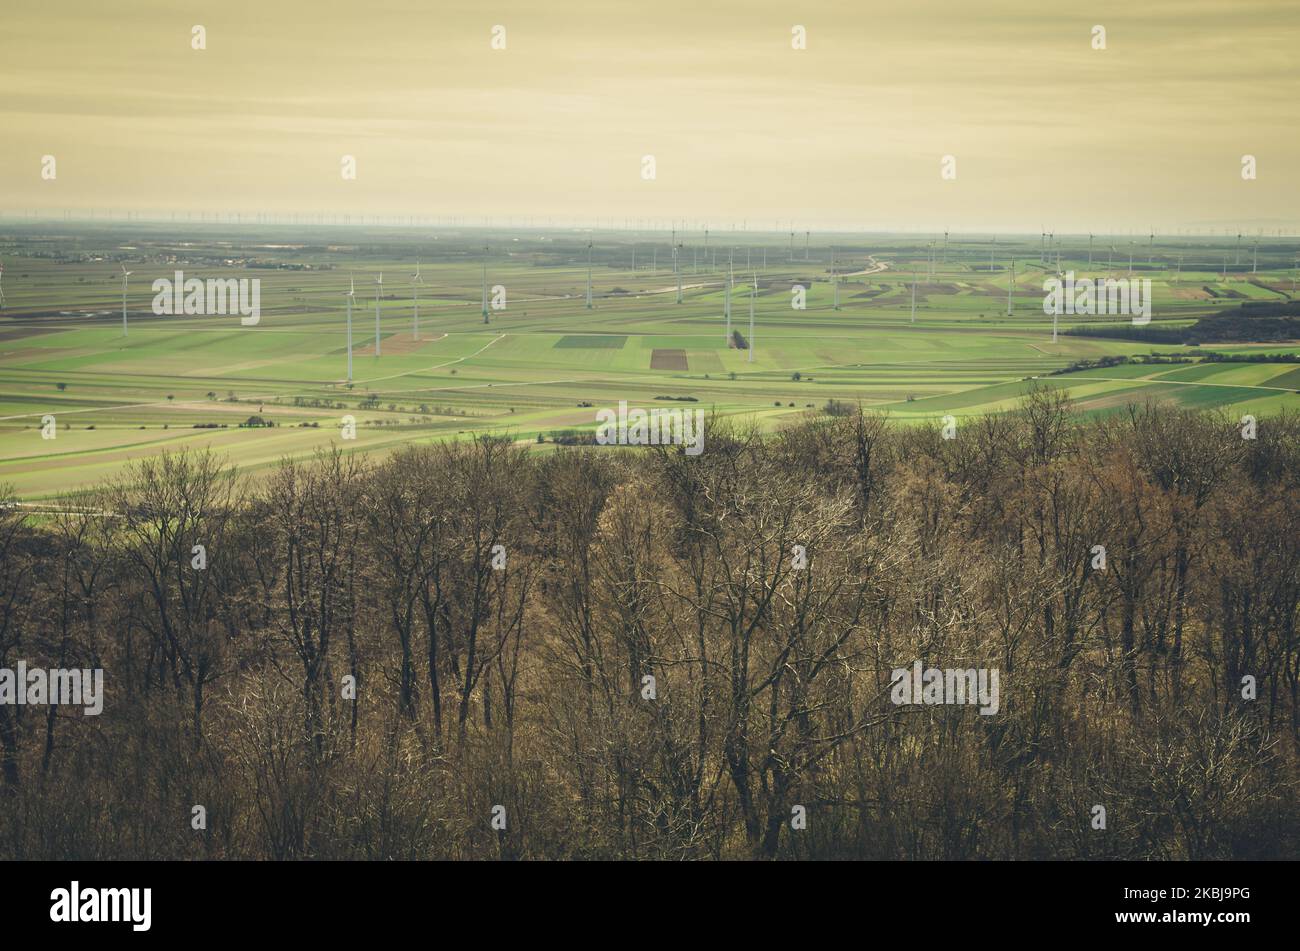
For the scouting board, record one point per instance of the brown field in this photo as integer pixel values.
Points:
(400, 344)
(669, 360)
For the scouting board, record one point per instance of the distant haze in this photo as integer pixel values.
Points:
(1046, 131)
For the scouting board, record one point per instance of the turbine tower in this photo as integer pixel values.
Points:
(485, 307)
(677, 270)
(753, 292)
(125, 276)
(945, 247)
(1090, 249)
(588, 274)
(1055, 310)
(835, 283)
(379, 286)
(726, 301)
(1011, 283)
(416, 281)
(352, 292)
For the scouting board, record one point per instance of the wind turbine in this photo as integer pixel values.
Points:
(726, 301)
(806, 236)
(1151, 249)
(835, 282)
(1237, 263)
(416, 281)
(1055, 310)
(945, 247)
(352, 292)
(588, 274)
(485, 307)
(1089, 249)
(677, 270)
(379, 286)
(125, 275)
(752, 294)
(1254, 264)
(913, 293)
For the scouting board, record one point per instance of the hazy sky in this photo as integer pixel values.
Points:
(1045, 130)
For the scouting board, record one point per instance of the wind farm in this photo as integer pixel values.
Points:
(914, 326)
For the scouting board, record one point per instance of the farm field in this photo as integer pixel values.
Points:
(544, 363)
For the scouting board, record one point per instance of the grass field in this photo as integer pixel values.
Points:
(545, 362)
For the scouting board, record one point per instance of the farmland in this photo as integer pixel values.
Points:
(544, 363)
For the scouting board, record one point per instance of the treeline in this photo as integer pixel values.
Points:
(1252, 322)
(469, 650)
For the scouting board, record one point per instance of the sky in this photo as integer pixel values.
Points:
(851, 132)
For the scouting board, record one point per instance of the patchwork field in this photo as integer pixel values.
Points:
(545, 363)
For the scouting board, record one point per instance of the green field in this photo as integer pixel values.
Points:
(547, 363)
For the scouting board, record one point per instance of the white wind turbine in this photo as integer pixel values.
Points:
(677, 270)
(125, 277)
(588, 274)
(726, 300)
(379, 285)
(913, 293)
(352, 292)
(1055, 310)
(835, 283)
(416, 281)
(485, 306)
(753, 292)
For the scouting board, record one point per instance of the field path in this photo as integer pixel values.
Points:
(393, 376)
